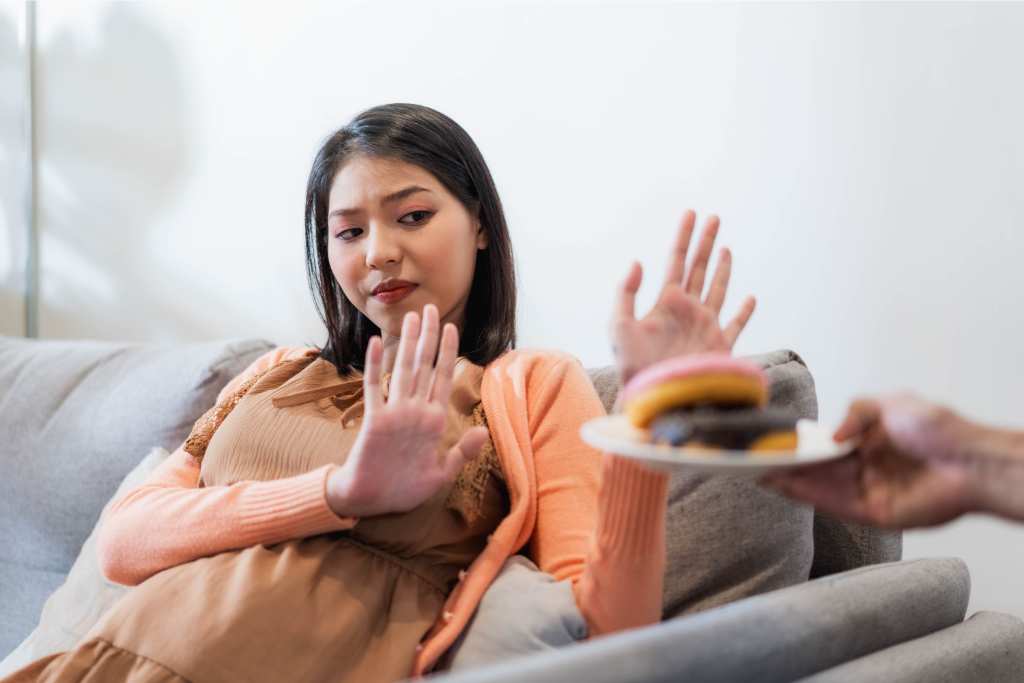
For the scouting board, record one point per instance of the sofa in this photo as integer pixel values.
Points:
(756, 586)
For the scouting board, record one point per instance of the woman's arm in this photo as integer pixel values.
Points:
(168, 520)
(600, 518)
(620, 585)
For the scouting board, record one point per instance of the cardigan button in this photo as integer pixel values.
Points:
(462, 575)
(448, 616)
(419, 648)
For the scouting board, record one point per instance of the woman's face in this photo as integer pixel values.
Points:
(398, 240)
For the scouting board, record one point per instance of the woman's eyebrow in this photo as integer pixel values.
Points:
(389, 199)
(402, 194)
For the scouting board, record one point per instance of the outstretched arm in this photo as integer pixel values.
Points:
(168, 520)
(916, 464)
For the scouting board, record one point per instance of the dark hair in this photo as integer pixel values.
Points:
(427, 138)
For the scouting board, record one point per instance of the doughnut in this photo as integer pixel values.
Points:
(718, 379)
(710, 401)
(738, 429)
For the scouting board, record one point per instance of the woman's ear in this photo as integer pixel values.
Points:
(481, 237)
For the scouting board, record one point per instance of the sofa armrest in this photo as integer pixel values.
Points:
(987, 647)
(777, 636)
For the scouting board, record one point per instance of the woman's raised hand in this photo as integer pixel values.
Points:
(396, 462)
(681, 322)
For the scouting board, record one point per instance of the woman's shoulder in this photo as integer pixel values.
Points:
(532, 369)
(281, 354)
(271, 358)
(538, 383)
(531, 360)
(276, 356)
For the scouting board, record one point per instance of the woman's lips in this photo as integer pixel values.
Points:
(393, 296)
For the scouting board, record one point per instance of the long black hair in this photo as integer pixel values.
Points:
(427, 138)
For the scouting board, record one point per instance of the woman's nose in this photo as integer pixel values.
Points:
(382, 248)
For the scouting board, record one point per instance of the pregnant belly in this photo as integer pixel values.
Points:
(318, 609)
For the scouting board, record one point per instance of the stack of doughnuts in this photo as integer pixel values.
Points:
(710, 401)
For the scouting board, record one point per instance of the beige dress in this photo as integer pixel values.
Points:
(346, 606)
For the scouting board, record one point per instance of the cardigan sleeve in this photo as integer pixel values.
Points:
(168, 521)
(600, 518)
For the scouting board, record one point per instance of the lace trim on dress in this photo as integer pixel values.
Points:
(467, 494)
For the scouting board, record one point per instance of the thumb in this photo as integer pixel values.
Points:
(862, 415)
(468, 447)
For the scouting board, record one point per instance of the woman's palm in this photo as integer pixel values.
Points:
(680, 323)
(400, 459)
(397, 461)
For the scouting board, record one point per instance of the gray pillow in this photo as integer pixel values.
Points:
(84, 597)
(524, 611)
(74, 417)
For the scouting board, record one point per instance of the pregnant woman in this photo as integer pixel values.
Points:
(340, 511)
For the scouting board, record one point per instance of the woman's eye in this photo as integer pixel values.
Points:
(349, 234)
(415, 217)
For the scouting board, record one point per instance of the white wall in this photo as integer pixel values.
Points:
(867, 161)
(12, 163)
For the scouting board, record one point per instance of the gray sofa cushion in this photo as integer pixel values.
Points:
(987, 647)
(24, 589)
(839, 546)
(774, 637)
(74, 608)
(77, 417)
(729, 538)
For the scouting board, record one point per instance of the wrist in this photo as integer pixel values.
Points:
(1000, 444)
(339, 488)
(995, 461)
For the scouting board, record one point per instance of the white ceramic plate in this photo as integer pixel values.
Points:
(615, 434)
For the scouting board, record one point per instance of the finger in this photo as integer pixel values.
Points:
(720, 281)
(677, 261)
(468, 447)
(860, 416)
(426, 351)
(627, 292)
(733, 330)
(371, 375)
(695, 280)
(403, 378)
(441, 386)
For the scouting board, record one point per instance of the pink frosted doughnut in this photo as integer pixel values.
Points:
(691, 366)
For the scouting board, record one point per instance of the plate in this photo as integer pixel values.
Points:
(614, 433)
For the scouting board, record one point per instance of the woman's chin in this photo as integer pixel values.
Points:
(388, 317)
